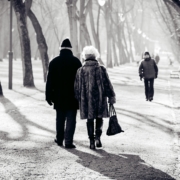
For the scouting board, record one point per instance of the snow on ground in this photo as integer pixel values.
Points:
(148, 149)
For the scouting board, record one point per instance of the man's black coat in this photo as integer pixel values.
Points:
(60, 80)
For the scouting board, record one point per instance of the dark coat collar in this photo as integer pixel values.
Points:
(65, 52)
(147, 59)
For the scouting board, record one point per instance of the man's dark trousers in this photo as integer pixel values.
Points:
(65, 130)
(149, 88)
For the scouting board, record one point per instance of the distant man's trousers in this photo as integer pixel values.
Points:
(149, 88)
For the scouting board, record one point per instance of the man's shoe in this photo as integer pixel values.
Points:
(150, 99)
(58, 143)
(70, 146)
(92, 144)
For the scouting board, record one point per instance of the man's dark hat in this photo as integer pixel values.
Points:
(66, 43)
(146, 53)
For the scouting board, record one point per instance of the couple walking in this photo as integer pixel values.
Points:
(71, 86)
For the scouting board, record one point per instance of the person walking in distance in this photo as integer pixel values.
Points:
(170, 61)
(60, 92)
(92, 88)
(149, 71)
(157, 59)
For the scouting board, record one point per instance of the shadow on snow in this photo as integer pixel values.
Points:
(14, 113)
(119, 167)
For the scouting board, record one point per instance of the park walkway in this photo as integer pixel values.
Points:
(148, 149)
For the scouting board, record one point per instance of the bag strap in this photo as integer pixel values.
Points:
(112, 110)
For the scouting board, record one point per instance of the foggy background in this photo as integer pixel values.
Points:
(121, 30)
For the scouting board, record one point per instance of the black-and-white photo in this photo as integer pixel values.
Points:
(89, 89)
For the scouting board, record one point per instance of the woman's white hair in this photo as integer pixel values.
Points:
(90, 50)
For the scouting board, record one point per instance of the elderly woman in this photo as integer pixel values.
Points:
(92, 88)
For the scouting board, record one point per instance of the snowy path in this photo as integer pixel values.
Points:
(148, 149)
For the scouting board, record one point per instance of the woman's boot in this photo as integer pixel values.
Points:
(90, 129)
(99, 125)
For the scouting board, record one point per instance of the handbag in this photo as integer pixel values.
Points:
(114, 127)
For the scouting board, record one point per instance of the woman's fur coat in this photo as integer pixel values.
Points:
(92, 87)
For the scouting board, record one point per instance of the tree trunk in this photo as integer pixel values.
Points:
(84, 37)
(142, 29)
(20, 12)
(127, 60)
(1, 34)
(175, 24)
(71, 5)
(98, 19)
(82, 20)
(116, 63)
(42, 46)
(119, 36)
(94, 33)
(87, 35)
(130, 40)
(95, 37)
(4, 29)
(108, 33)
(1, 91)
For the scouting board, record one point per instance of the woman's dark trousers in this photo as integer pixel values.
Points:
(98, 130)
(62, 131)
(149, 88)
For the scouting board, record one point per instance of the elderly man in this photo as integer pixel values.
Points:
(60, 92)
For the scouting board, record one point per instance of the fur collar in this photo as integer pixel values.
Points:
(91, 63)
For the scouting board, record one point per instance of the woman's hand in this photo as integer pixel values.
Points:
(112, 100)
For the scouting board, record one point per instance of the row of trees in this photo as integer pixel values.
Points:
(153, 20)
(120, 30)
(169, 11)
(88, 18)
(29, 38)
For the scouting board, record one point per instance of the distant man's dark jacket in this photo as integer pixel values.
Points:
(60, 80)
(148, 69)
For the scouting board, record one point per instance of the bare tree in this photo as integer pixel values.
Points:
(94, 33)
(72, 14)
(20, 9)
(53, 23)
(1, 91)
(169, 20)
(42, 46)
(84, 36)
(107, 12)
